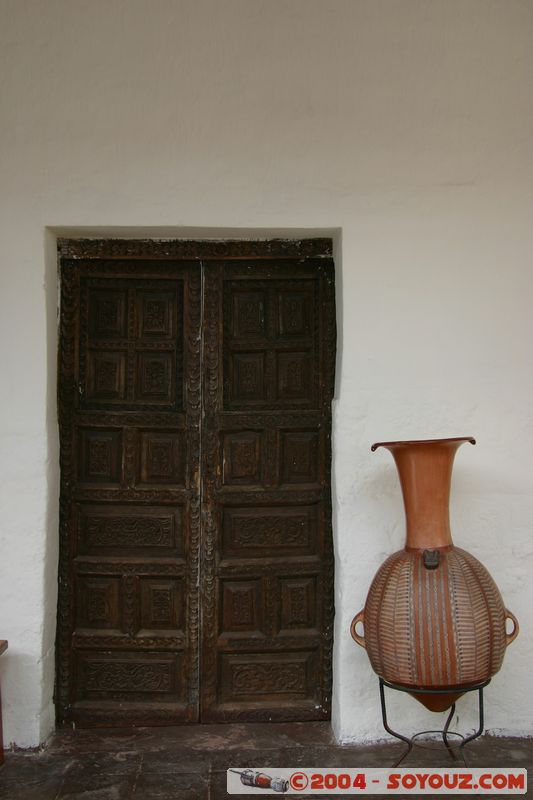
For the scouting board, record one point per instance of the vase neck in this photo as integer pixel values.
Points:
(425, 472)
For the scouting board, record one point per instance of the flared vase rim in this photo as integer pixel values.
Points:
(410, 442)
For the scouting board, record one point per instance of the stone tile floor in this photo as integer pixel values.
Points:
(190, 762)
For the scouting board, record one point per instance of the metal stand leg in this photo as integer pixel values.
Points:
(445, 732)
(408, 742)
(480, 728)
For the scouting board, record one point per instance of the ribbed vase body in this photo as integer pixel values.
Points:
(433, 618)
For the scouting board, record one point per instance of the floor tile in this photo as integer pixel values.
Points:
(190, 762)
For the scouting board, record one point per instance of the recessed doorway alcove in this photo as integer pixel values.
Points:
(196, 549)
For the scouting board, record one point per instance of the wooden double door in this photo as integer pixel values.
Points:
(196, 567)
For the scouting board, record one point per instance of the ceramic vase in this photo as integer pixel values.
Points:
(433, 617)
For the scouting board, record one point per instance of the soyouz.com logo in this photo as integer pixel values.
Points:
(315, 780)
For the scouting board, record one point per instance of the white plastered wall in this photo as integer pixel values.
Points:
(405, 124)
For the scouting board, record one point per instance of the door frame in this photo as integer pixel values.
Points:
(187, 250)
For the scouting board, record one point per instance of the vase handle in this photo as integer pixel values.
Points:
(511, 636)
(355, 636)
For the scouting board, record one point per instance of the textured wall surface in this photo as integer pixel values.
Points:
(404, 127)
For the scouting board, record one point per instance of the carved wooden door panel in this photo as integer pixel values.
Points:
(129, 415)
(196, 564)
(266, 556)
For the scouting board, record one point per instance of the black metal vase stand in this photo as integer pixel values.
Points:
(452, 747)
